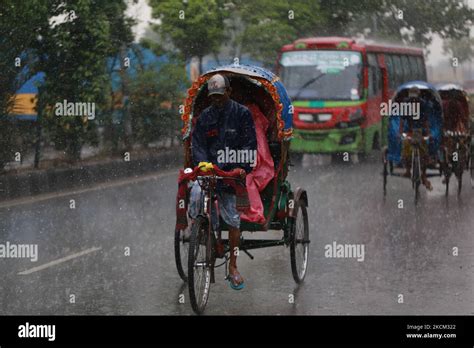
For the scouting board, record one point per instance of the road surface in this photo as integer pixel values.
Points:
(110, 251)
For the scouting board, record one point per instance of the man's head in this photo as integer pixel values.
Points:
(219, 90)
(414, 92)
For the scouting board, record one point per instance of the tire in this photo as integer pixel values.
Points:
(299, 243)
(199, 277)
(458, 169)
(376, 142)
(416, 179)
(470, 168)
(459, 183)
(385, 172)
(181, 248)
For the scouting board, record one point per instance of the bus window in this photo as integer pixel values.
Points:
(390, 70)
(406, 69)
(415, 72)
(421, 67)
(375, 75)
(398, 70)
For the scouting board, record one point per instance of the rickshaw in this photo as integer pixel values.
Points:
(457, 138)
(285, 209)
(392, 154)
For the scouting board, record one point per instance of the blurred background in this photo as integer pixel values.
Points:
(135, 59)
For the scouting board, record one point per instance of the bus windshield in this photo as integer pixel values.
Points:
(322, 75)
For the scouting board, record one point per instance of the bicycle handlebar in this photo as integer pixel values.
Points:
(456, 134)
(190, 174)
(409, 137)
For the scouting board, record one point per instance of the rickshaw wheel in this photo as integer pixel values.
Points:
(299, 243)
(416, 179)
(471, 166)
(199, 266)
(385, 171)
(181, 248)
(458, 172)
(446, 179)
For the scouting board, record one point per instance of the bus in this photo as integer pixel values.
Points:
(337, 86)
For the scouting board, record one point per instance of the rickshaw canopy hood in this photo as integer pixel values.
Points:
(262, 78)
(444, 87)
(422, 86)
(435, 121)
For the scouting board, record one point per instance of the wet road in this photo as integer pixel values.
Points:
(113, 253)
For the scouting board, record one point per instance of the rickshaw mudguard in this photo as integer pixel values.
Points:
(299, 195)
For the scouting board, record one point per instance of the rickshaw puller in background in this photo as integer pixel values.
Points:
(418, 124)
(225, 124)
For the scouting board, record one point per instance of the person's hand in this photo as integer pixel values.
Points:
(240, 172)
(205, 166)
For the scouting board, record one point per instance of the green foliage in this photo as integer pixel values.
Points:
(261, 27)
(268, 25)
(462, 49)
(154, 98)
(20, 23)
(414, 22)
(75, 67)
(195, 28)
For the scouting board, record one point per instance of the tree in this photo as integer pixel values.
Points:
(268, 25)
(156, 93)
(20, 24)
(74, 58)
(460, 51)
(194, 28)
(413, 22)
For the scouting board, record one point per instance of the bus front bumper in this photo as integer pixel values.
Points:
(327, 141)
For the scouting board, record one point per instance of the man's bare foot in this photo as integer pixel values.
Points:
(427, 184)
(235, 278)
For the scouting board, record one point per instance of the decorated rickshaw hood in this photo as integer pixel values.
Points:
(435, 121)
(270, 82)
(449, 87)
(421, 85)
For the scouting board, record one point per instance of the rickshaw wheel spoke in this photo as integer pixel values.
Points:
(199, 272)
(299, 243)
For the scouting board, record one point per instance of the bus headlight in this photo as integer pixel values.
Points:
(306, 117)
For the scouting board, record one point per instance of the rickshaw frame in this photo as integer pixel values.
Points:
(282, 210)
(387, 153)
(452, 167)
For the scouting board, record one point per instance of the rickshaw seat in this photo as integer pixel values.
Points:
(264, 171)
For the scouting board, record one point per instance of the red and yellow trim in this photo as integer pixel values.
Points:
(194, 89)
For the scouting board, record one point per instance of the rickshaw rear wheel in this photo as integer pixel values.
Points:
(458, 169)
(181, 248)
(471, 166)
(385, 170)
(299, 242)
(199, 265)
(416, 178)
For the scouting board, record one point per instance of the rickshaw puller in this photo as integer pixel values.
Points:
(225, 124)
(420, 124)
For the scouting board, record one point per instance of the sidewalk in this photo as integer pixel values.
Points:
(33, 182)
